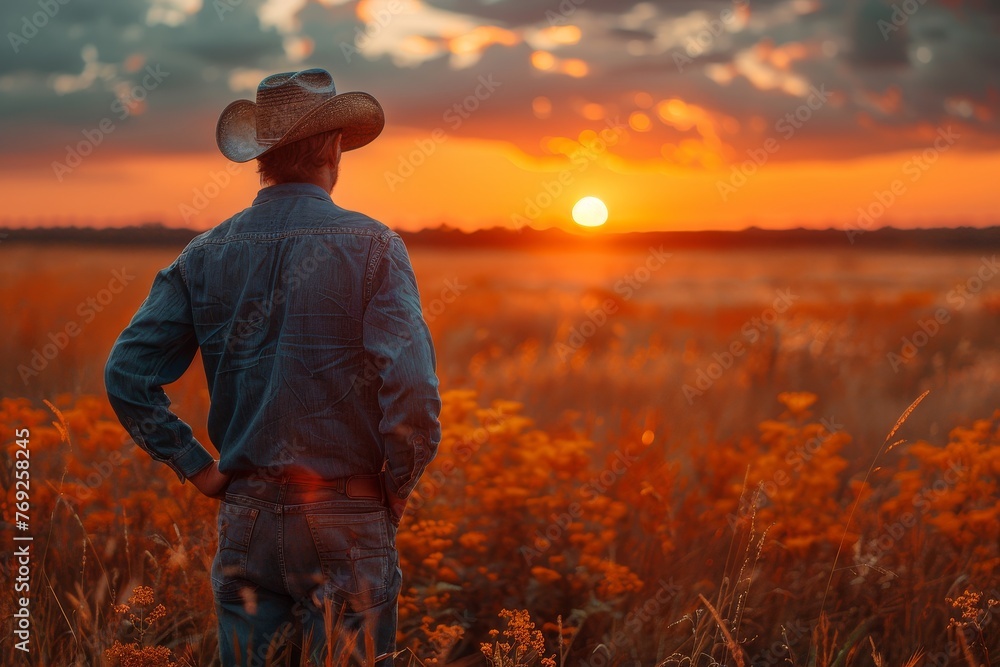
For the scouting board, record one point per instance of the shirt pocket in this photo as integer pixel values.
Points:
(356, 556)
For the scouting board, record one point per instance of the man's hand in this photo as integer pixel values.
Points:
(397, 508)
(210, 481)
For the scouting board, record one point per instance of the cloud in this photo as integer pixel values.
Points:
(735, 69)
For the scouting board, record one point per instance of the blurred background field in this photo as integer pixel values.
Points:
(556, 364)
(500, 319)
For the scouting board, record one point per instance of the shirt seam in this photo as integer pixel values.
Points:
(278, 236)
(290, 191)
(181, 261)
(373, 265)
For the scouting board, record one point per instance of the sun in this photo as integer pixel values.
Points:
(590, 212)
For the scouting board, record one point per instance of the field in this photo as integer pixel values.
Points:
(693, 459)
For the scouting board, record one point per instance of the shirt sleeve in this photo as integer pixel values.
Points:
(155, 349)
(399, 344)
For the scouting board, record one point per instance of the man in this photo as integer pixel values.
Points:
(321, 372)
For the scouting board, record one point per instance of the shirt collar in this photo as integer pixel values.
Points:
(290, 190)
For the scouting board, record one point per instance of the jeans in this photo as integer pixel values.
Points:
(302, 569)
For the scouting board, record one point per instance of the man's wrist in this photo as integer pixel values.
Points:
(195, 459)
(395, 502)
(205, 468)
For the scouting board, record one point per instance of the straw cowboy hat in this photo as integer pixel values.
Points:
(292, 106)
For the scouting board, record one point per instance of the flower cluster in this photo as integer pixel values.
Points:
(521, 645)
(617, 530)
(141, 619)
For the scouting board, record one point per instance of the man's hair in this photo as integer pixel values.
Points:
(298, 161)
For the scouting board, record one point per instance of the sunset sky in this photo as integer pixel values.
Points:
(678, 114)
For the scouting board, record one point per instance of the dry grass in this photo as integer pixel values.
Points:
(584, 493)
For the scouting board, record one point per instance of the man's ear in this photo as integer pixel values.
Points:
(336, 145)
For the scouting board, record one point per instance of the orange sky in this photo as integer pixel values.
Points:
(470, 183)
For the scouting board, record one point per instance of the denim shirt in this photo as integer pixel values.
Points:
(318, 359)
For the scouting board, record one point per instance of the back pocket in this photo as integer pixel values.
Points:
(229, 568)
(356, 556)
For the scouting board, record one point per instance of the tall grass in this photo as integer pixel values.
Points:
(581, 493)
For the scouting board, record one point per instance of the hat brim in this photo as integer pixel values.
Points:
(358, 115)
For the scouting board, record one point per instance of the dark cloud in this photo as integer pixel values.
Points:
(237, 40)
(876, 39)
(529, 12)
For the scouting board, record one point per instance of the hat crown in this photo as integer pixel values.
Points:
(284, 98)
(292, 106)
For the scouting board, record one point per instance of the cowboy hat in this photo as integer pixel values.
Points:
(292, 106)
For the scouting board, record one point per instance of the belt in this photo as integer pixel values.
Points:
(355, 486)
